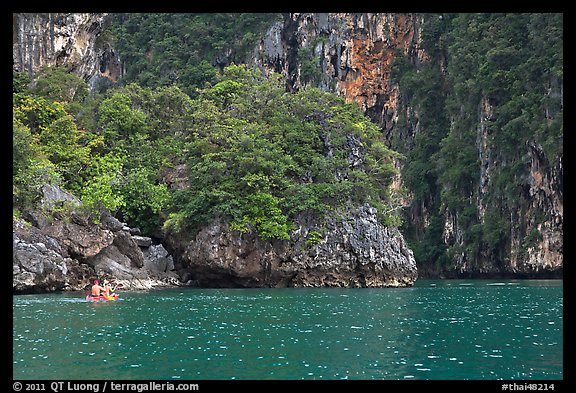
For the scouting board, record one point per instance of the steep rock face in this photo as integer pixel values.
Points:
(354, 251)
(535, 248)
(350, 54)
(545, 198)
(72, 40)
(354, 53)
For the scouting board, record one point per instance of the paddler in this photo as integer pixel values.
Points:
(108, 291)
(96, 289)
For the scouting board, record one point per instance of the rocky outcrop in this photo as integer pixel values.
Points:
(72, 40)
(39, 264)
(353, 250)
(57, 251)
(68, 256)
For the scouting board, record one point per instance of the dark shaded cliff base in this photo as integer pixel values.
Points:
(557, 274)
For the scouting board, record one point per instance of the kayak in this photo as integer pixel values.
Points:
(101, 297)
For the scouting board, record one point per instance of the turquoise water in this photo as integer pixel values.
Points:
(452, 329)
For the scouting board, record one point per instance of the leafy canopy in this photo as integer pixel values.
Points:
(261, 156)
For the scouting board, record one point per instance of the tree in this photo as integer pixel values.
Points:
(119, 121)
(54, 135)
(259, 156)
(143, 199)
(29, 169)
(60, 142)
(102, 192)
(58, 84)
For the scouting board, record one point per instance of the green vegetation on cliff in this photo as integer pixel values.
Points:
(185, 50)
(492, 89)
(262, 156)
(254, 154)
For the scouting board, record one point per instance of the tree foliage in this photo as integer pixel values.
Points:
(255, 155)
(184, 49)
(261, 156)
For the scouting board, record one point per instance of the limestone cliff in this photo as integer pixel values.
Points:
(357, 251)
(536, 220)
(72, 40)
(352, 55)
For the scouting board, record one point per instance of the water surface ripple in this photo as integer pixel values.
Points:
(452, 329)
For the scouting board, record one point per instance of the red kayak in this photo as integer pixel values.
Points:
(101, 297)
